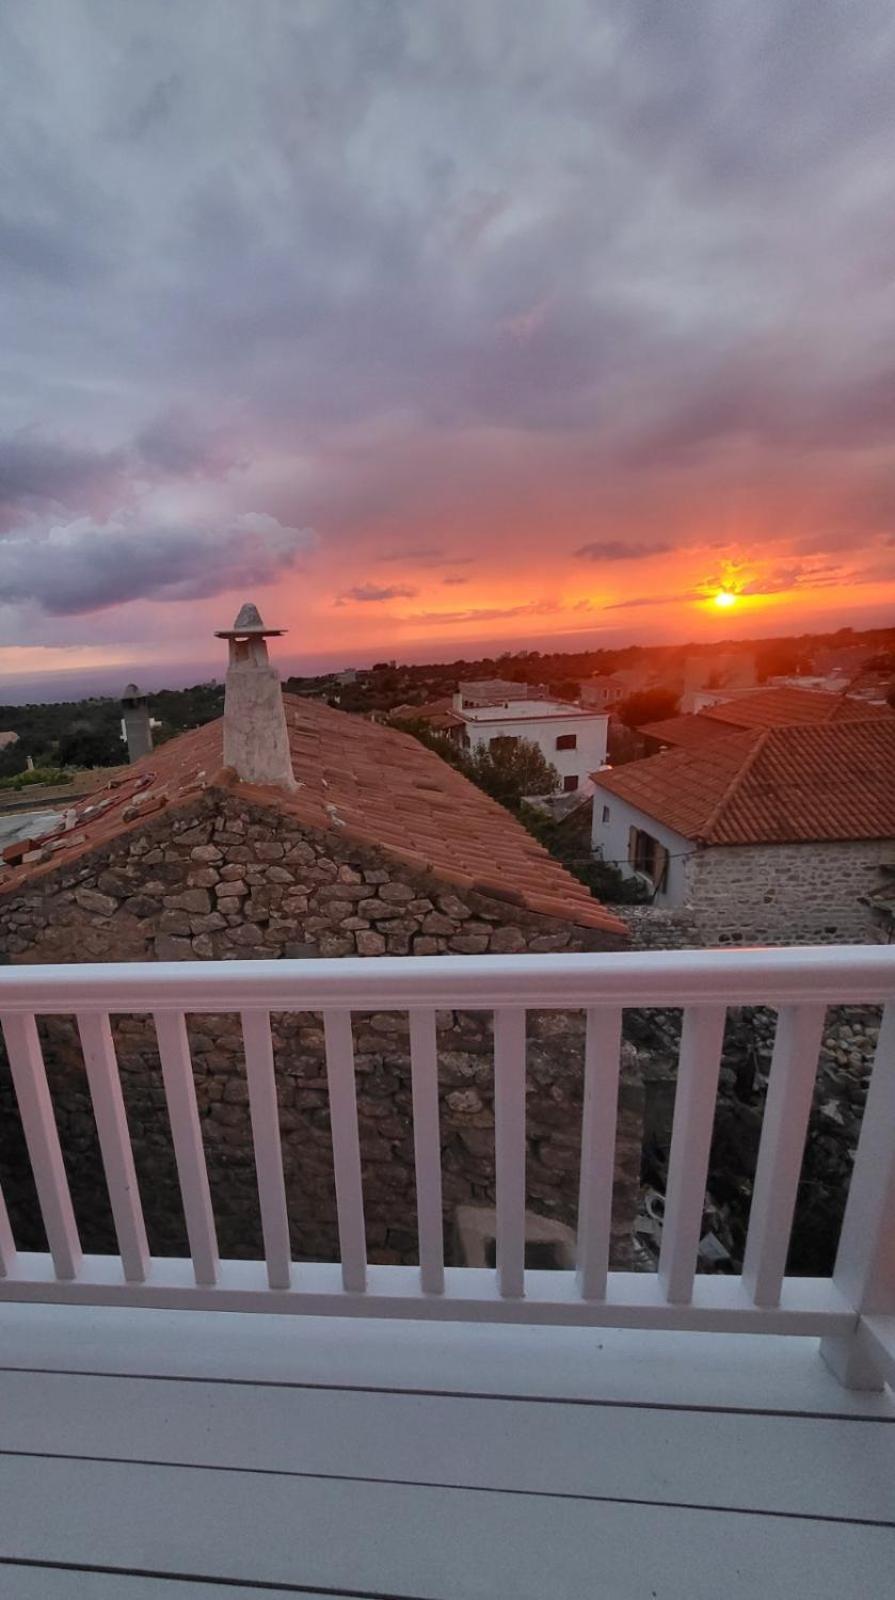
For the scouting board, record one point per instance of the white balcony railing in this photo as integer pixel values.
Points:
(853, 1310)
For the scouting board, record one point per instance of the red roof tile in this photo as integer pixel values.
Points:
(778, 708)
(687, 732)
(377, 784)
(771, 786)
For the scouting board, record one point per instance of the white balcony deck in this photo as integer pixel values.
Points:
(148, 1454)
(528, 1434)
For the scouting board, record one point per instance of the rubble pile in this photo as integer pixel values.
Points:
(844, 1067)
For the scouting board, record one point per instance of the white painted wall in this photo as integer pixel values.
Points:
(609, 838)
(542, 722)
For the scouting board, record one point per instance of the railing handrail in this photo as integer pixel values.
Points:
(839, 974)
(799, 983)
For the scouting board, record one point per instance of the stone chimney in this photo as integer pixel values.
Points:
(137, 726)
(256, 740)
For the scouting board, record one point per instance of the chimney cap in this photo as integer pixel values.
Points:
(131, 692)
(248, 624)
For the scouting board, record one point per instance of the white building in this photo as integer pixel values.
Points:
(572, 740)
(603, 691)
(773, 835)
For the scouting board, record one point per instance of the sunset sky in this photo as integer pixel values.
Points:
(432, 326)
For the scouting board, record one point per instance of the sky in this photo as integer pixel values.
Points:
(432, 325)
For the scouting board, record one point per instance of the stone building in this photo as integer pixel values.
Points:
(777, 707)
(771, 835)
(367, 844)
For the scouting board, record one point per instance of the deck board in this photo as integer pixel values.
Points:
(766, 1373)
(179, 1456)
(436, 1544)
(812, 1466)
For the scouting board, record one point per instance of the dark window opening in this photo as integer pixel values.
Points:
(569, 783)
(648, 856)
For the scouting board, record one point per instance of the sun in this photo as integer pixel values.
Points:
(725, 598)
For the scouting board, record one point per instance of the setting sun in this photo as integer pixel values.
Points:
(725, 598)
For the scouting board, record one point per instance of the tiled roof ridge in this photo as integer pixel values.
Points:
(359, 788)
(713, 819)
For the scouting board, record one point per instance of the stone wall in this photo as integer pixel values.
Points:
(226, 879)
(769, 894)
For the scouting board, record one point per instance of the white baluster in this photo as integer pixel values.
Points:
(691, 1137)
(7, 1242)
(346, 1148)
(509, 1147)
(42, 1138)
(427, 1150)
(261, 1078)
(785, 1126)
(180, 1093)
(114, 1141)
(865, 1261)
(599, 1118)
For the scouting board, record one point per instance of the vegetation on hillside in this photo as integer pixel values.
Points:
(47, 776)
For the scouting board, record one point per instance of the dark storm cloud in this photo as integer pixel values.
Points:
(369, 593)
(174, 444)
(618, 550)
(636, 237)
(36, 471)
(86, 567)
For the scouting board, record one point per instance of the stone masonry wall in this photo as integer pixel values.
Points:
(770, 894)
(231, 880)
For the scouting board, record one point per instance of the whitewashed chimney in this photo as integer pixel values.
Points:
(137, 726)
(256, 739)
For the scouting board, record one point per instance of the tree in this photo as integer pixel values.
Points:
(648, 705)
(564, 688)
(92, 747)
(510, 769)
(780, 658)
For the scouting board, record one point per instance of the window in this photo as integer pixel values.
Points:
(567, 741)
(605, 813)
(569, 783)
(647, 855)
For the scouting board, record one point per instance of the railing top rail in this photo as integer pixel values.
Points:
(836, 974)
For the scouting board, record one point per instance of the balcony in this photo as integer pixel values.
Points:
(436, 1431)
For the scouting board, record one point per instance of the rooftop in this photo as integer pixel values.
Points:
(777, 708)
(762, 708)
(527, 710)
(687, 732)
(771, 786)
(381, 786)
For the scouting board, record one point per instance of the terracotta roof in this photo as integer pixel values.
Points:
(792, 785)
(687, 732)
(778, 708)
(438, 713)
(379, 785)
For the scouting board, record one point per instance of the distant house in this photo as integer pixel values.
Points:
(437, 715)
(764, 834)
(8, 738)
(495, 691)
(603, 691)
(757, 708)
(571, 739)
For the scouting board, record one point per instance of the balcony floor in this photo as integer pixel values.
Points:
(150, 1455)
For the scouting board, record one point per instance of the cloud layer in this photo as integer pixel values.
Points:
(510, 295)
